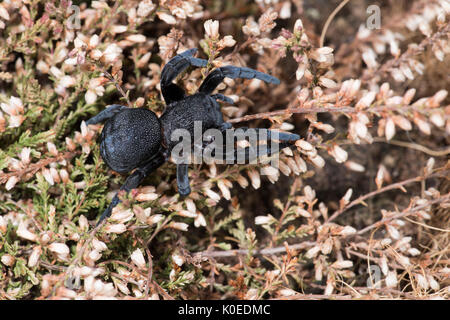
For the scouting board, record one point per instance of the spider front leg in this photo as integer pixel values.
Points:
(133, 182)
(104, 115)
(224, 98)
(171, 92)
(217, 76)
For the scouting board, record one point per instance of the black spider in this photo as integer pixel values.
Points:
(135, 138)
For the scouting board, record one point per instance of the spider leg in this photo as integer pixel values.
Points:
(171, 92)
(183, 180)
(221, 97)
(104, 115)
(133, 182)
(217, 76)
(275, 141)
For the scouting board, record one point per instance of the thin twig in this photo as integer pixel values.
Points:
(267, 251)
(330, 19)
(392, 186)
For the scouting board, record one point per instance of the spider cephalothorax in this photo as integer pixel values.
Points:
(135, 138)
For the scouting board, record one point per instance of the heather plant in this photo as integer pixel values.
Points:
(358, 209)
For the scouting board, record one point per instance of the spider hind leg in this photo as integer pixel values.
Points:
(133, 182)
(273, 142)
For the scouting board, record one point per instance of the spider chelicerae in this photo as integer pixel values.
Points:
(135, 138)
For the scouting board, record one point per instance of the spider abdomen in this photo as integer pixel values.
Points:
(130, 138)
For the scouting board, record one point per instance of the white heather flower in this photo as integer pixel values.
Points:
(347, 231)
(224, 189)
(393, 232)
(439, 97)
(370, 58)
(212, 29)
(366, 100)
(318, 161)
(167, 18)
(64, 175)
(346, 198)
(48, 176)
(302, 212)
(3, 224)
(414, 252)
(437, 119)
(95, 90)
(16, 121)
(311, 253)
(187, 214)
(116, 228)
(154, 219)
(94, 255)
(227, 41)
(423, 125)
(60, 249)
(138, 258)
(391, 279)
(355, 166)
(199, 221)
(11, 182)
(310, 194)
(66, 81)
(327, 246)
(118, 29)
(344, 264)
(8, 260)
(251, 28)
(422, 282)
(402, 122)
(179, 226)
(23, 232)
(254, 178)
(178, 259)
(112, 53)
(136, 38)
(389, 129)
(52, 148)
(304, 145)
(259, 220)
(433, 283)
(151, 196)
(404, 261)
(145, 7)
(301, 69)
(34, 256)
(285, 11)
(298, 26)
(121, 216)
(4, 13)
(212, 195)
(339, 154)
